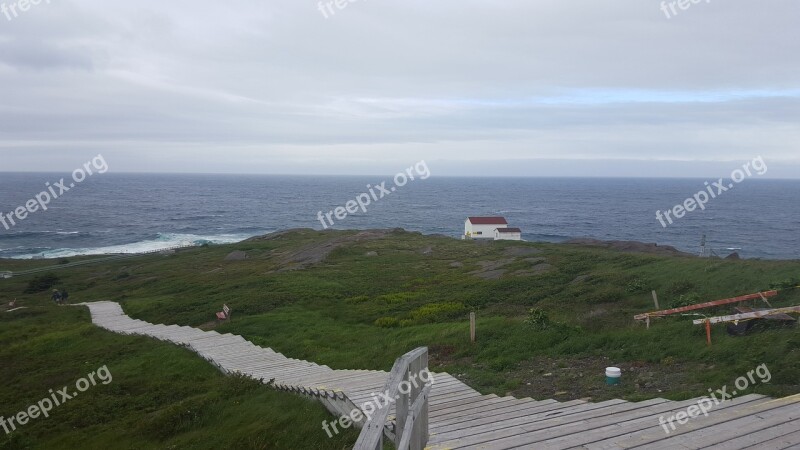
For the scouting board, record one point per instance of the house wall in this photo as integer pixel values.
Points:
(486, 231)
(507, 236)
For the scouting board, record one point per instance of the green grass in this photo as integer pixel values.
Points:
(161, 396)
(357, 311)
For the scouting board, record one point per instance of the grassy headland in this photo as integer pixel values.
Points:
(351, 300)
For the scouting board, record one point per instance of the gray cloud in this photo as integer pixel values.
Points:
(275, 87)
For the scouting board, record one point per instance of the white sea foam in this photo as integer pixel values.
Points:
(163, 241)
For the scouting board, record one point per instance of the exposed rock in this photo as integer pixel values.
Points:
(279, 234)
(597, 312)
(629, 246)
(236, 256)
(491, 270)
(492, 265)
(580, 279)
(542, 268)
(535, 270)
(490, 274)
(427, 251)
(522, 251)
(316, 253)
(456, 264)
(371, 254)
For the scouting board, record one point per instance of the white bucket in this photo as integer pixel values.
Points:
(613, 375)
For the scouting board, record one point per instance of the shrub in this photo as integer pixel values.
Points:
(41, 283)
(387, 322)
(685, 300)
(357, 299)
(398, 298)
(635, 285)
(679, 287)
(438, 311)
(538, 319)
(785, 284)
(176, 418)
(605, 294)
(238, 384)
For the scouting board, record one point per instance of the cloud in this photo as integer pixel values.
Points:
(275, 87)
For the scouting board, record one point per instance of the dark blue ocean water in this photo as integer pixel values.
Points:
(113, 213)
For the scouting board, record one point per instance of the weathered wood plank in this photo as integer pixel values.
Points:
(648, 430)
(540, 419)
(762, 436)
(785, 442)
(731, 424)
(556, 433)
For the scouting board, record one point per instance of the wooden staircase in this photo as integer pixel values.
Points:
(460, 417)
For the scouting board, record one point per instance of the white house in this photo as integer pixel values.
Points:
(483, 227)
(507, 234)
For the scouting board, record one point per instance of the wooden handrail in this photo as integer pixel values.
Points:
(411, 423)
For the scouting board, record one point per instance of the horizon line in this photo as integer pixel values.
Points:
(617, 177)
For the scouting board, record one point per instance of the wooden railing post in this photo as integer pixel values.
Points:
(415, 388)
(422, 420)
(404, 402)
(412, 393)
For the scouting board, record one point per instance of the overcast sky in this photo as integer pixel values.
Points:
(491, 87)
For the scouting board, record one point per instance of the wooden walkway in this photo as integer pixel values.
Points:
(460, 417)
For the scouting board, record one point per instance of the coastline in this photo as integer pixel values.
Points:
(625, 246)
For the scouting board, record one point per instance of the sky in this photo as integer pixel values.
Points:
(475, 88)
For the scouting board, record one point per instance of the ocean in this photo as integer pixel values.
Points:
(126, 213)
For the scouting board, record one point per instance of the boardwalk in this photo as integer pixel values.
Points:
(460, 417)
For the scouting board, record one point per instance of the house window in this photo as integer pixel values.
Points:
(479, 232)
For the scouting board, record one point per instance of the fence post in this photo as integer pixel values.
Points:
(472, 327)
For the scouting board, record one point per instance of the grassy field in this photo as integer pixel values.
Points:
(160, 396)
(550, 319)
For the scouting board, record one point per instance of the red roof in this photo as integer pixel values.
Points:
(488, 220)
(509, 230)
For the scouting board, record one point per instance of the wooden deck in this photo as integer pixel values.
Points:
(460, 417)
